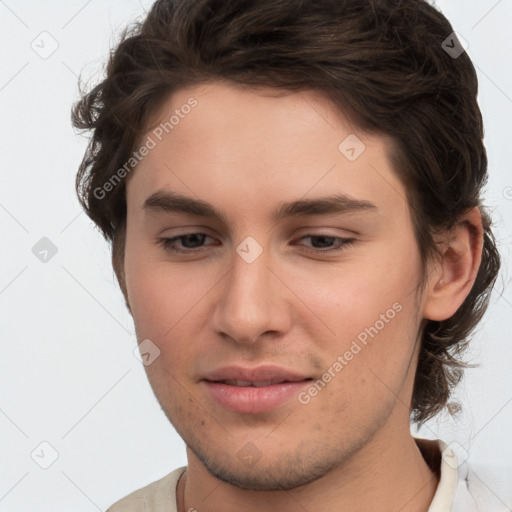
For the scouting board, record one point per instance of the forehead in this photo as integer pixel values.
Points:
(229, 144)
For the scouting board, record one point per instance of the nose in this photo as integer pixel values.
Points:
(251, 301)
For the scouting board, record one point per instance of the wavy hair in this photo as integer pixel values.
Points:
(383, 63)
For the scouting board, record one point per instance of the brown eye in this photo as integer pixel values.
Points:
(324, 243)
(191, 241)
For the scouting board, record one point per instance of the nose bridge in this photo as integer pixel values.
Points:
(246, 306)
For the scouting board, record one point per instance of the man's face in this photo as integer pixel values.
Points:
(283, 296)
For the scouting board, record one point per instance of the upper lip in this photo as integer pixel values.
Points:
(263, 373)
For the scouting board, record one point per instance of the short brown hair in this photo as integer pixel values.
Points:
(381, 62)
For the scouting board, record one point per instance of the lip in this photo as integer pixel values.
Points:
(276, 386)
(262, 373)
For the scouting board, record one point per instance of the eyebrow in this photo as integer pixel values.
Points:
(164, 201)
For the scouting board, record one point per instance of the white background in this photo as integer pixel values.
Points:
(68, 376)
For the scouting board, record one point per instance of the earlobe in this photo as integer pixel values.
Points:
(452, 279)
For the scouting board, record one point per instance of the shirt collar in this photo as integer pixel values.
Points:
(432, 451)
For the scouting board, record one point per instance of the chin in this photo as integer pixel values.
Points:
(288, 472)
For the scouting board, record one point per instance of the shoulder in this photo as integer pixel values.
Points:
(157, 496)
(488, 485)
(466, 485)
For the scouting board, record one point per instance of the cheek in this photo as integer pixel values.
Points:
(349, 297)
(151, 300)
(370, 315)
(166, 303)
(159, 293)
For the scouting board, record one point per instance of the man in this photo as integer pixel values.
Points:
(292, 190)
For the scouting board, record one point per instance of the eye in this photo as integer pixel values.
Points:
(193, 243)
(188, 240)
(325, 242)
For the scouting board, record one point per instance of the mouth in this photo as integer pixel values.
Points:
(256, 384)
(263, 375)
(253, 390)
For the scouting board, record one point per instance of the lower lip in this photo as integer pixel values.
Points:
(252, 400)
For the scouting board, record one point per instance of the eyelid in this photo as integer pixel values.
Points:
(343, 243)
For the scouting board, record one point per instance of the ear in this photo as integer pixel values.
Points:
(452, 278)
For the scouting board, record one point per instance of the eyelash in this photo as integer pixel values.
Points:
(167, 243)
